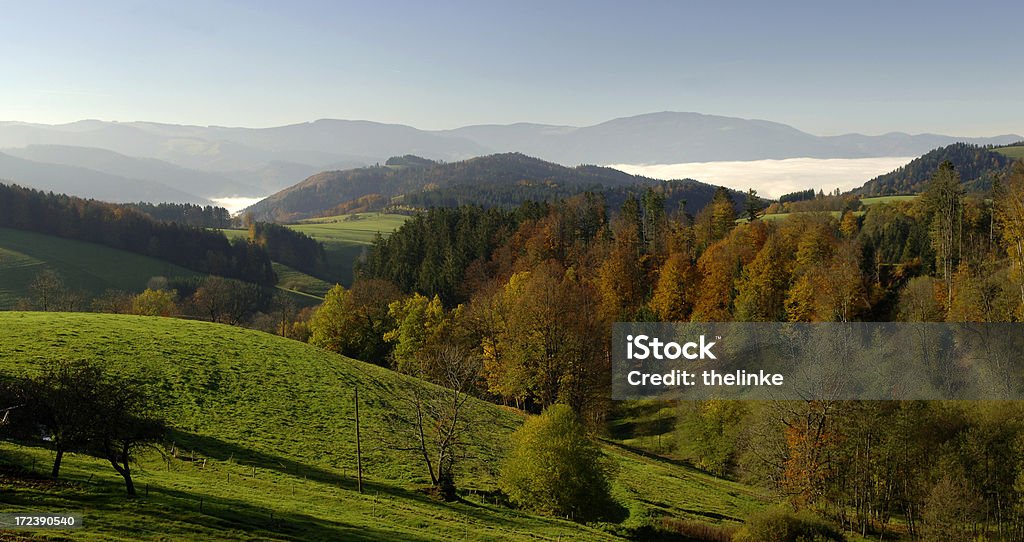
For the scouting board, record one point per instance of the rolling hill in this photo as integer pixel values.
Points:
(150, 170)
(89, 183)
(496, 180)
(264, 433)
(84, 266)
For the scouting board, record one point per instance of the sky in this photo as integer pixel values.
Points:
(823, 67)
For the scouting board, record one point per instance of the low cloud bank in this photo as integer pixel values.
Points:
(773, 178)
(235, 204)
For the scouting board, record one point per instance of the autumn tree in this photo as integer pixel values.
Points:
(723, 213)
(544, 349)
(225, 300)
(155, 303)
(943, 200)
(1010, 215)
(420, 327)
(554, 468)
(761, 290)
(717, 266)
(674, 292)
(353, 321)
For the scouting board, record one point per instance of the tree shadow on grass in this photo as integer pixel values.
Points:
(220, 450)
(223, 513)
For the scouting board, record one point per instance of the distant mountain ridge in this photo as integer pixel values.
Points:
(214, 161)
(88, 183)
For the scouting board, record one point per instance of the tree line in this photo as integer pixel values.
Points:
(289, 247)
(187, 214)
(123, 228)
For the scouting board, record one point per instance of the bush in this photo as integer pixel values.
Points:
(554, 468)
(154, 303)
(784, 526)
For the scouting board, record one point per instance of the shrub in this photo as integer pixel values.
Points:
(554, 468)
(779, 525)
(154, 303)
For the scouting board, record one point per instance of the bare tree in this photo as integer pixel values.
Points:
(47, 290)
(433, 419)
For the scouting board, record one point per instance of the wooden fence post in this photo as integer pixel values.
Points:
(359, 449)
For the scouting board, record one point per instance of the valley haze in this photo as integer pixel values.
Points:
(145, 161)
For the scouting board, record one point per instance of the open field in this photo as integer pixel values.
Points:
(271, 424)
(84, 266)
(345, 237)
(1016, 152)
(354, 228)
(867, 202)
(886, 199)
(299, 283)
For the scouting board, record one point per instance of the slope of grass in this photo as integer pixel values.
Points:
(84, 266)
(1015, 152)
(345, 237)
(299, 283)
(886, 199)
(241, 400)
(355, 228)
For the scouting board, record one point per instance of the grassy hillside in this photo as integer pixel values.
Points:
(85, 266)
(354, 228)
(301, 284)
(243, 400)
(1016, 151)
(344, 238)
(885, 199)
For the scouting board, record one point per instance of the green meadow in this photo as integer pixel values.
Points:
(263, 433)
(1016, 152)
(344, 237)
(84, 266)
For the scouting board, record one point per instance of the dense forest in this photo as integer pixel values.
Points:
(292, 248)
(186, 214)
(126, 229)
(531, 291)
(978, 167)
(680, 195)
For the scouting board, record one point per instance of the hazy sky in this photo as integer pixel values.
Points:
(823, 67)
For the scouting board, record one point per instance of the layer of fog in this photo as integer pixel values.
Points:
(235, 203)
(773, 178)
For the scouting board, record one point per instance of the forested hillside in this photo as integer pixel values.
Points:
(533, 293)
(978, 167)
(502, 180)
(127, 229)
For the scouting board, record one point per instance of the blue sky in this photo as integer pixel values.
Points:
(824, 67)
